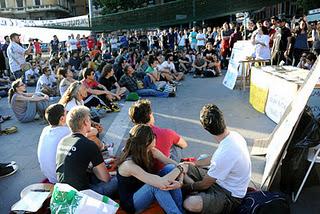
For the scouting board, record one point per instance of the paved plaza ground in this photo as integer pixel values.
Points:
(180, 114)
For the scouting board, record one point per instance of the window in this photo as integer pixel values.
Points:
(37, 2)
(2, 3)
(19, 3)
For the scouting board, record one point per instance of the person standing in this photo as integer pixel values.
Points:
(16, 55)
(54, 45)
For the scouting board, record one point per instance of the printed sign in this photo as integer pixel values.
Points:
(281, 93)
(241, 50)
(79, 21)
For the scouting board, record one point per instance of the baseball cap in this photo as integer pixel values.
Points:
(14, 34)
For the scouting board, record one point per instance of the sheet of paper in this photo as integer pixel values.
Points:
(260, 146)
(32, 202)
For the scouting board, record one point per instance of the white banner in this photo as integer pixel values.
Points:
(79, 21)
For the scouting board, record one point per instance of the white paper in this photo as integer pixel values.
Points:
(31, 202)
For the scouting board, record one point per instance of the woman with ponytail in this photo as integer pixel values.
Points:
(138, 186)
(26, 105)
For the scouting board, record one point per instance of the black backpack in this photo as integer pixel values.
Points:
(263, 202)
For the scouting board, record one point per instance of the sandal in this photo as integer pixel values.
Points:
(10, 130)
(4, 118)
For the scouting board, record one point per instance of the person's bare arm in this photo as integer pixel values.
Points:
(182, 143)
(201, 185)
(157, 154)
(101, 172)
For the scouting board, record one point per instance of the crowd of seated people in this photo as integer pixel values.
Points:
(98, 72)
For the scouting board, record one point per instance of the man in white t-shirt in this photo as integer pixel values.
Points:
(222, 187)
(46, 84)
(49, 139)
(73, 43)
(16, 55)
(201, 40)
(167, 68)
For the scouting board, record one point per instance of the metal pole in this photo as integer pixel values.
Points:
(194, 12)
(90, 12)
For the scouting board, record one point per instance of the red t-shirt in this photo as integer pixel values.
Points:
(165, 139)
(90, 84)
(37, 47)
(91, 43)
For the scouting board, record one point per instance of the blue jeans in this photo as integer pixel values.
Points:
(170, 201)
(106, 188)
(148, 92)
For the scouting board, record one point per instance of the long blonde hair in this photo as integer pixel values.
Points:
(72, 92)
(13, 89)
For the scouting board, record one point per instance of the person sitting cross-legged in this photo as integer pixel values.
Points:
(139, 186)
(222, 187)
(167, 140)
(129, 81)
(49, 139)
(76, 154)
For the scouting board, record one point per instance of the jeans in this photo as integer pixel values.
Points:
(170, 201)
(19, 74)
(106, 188)
(148, 92)
(176, 153)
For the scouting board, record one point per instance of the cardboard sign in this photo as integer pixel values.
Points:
(281, 93)
(283, 130)
(241, 50)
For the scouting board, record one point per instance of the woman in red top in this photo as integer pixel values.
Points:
(37, 46)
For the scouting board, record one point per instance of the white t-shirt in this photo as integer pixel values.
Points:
(182, 40)
(231, 165)
(114, 43)
(43, 80)
(31, 72)
(201, 39)
(263, 51)
(15, 55)
(73, 44)
(47, 149)
(167, 65)
(72, 103)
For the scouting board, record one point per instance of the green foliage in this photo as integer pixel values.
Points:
(307, 4)
(111, 6)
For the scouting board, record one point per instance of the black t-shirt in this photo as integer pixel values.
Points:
(143, 41)
(55, 45)
(74, 153)
(108, 83)
(285, 33)
(209, 52)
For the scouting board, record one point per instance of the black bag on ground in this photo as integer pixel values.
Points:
(263, 202)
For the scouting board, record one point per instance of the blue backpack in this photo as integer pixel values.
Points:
(263, 202)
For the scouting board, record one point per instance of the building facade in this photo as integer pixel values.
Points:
(42, 9)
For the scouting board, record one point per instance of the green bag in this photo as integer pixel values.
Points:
(133, 96)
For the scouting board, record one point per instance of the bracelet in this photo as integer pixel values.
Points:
(191, 186)
(180, 169)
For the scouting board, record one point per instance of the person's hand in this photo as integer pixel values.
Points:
(164, 183)
(46, 97)
(118, 97)
(173, 185)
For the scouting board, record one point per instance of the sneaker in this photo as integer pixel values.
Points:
(7, 164)
(115, 107)
(172, 94)
(107, 109)
(8, 170)
(176, 83)
(11, 130)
